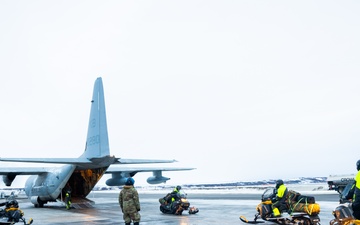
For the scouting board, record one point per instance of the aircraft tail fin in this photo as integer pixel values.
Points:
(97, 141)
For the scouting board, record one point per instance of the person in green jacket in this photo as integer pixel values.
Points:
(279, 201)
(129, 203)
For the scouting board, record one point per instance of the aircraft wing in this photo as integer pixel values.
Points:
(117, 169)
(119, 174)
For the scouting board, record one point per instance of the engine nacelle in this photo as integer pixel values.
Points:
(116, 181)
(8, 179)
(157, 179)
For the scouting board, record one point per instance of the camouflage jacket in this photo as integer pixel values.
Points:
(129, 199)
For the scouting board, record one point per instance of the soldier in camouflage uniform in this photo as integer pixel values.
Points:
(129, 203)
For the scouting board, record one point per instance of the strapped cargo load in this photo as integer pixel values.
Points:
(310, 209)
(301, 203)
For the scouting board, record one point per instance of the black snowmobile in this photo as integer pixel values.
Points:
(12, 214)
(343, 214)
(301, 210)
(177, 207)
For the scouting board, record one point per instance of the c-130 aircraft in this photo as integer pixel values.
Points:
(82, 173)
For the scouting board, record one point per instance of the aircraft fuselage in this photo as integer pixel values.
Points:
(49, 186)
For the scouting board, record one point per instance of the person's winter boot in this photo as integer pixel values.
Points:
(127, 223)
(136, 223)
(276, 212)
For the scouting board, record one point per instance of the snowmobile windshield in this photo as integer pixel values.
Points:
(182, 194)
(343, 212)
(345, 192)
(268, 194)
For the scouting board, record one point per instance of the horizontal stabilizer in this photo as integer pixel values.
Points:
(143, 161)
(48, 160)
(23, 170)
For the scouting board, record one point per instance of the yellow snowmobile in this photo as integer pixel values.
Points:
(301, 210)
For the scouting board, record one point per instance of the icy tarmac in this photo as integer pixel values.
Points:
(215, 207)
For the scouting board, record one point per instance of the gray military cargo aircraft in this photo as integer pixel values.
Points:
(47, 184)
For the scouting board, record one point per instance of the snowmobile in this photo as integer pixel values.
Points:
(343, 216)
(12, 214)
(301, 210)
(343, 213)
(177, 207)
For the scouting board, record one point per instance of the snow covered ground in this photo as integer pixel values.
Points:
(318, 188)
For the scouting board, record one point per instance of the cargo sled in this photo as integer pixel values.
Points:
(301, 210)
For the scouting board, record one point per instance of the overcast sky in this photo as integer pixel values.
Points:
(241, 90)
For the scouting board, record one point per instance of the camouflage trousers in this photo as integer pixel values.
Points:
(128, 217)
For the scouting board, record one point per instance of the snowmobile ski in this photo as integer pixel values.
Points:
(243, 218)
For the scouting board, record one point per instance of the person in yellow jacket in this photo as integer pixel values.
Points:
(354, 193)
(68, 196)
(175, 196)
(279, 201)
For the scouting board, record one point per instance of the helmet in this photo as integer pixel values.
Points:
(278, 183)
(130, 181)
(12, 203)
(178, 188)
(358, 165)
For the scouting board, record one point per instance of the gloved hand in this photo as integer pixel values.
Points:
(273, 200)
(138, 210)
